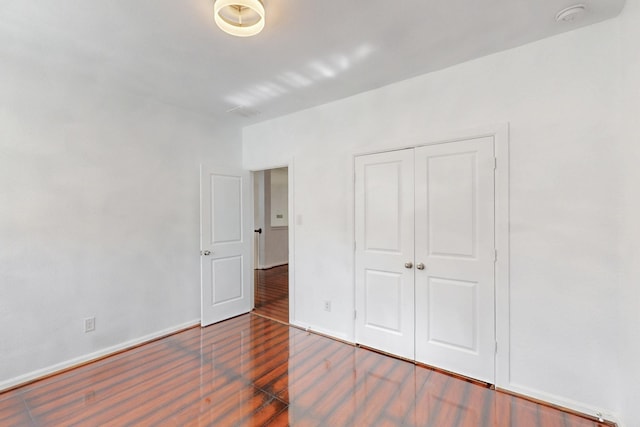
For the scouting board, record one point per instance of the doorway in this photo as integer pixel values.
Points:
(271, 243)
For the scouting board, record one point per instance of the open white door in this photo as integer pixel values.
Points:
(225, 241)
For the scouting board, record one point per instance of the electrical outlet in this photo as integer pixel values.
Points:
(327, 306)
(89, 324)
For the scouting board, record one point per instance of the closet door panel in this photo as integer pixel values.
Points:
(454, 209)
(384, 244)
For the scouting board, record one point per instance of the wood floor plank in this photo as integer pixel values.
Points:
(14, 412)
(428, 406)
(525, 413)
(379, 383)
(276, 379)
(281, 419)
(502, 405)
(92, 374)
(421, 378)
(344, 407)
(308, 373)
(304, 371)
(124, 396)
(479, 407)
(450, 402)
(234, 403)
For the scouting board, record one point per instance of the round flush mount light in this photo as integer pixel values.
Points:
(241, 18)
(570, 13)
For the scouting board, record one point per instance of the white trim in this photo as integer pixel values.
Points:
(71, 363)
(502, 277)
(322, 331)
(292, 240)
(562, 402)
(352, 226)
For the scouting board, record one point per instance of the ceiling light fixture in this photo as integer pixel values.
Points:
(570, 13)
(241, 18)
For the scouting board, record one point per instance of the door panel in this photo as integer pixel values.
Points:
(454, 208)
(226, 194)
(383, 208)
(453, 313)
(384, 243)
(226, 244)
(225, 273)
(450, 201)
(383, 304)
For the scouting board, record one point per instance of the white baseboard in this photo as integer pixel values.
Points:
(49, 370)
(325, 332)
(562, 402)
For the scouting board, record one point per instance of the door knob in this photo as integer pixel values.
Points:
(205, 253)
(408, 264)
(420, 266)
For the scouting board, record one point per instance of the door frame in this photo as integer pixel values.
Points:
(500, 134)
(290, 228)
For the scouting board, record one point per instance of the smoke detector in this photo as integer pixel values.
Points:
(570, 13)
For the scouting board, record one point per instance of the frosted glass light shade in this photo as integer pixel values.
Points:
(241, 18)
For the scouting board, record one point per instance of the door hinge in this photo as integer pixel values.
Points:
(354, 245)
(355, 314)
(495, 163)
(496, 347)
(495, 255)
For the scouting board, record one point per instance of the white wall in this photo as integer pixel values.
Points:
(629, 309)
(560, 97)
(279, 203)
(99, 212)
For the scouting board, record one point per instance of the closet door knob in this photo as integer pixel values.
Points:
(420, 266)
(408, 264)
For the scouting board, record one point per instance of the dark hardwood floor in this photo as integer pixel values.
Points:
(251, 370)
(272, 293)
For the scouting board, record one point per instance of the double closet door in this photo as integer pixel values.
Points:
(425, 255)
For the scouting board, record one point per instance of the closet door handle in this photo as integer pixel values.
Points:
(420, 266)
(408, 265)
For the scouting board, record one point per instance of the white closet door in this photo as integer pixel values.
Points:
(454, 209)
(384, 243)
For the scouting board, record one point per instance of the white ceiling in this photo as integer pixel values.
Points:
(311, 51)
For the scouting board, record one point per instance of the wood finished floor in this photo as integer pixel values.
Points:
(272, 293)
(253, 371)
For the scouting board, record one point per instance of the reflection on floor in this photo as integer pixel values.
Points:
(250, 370)
(272, 293)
